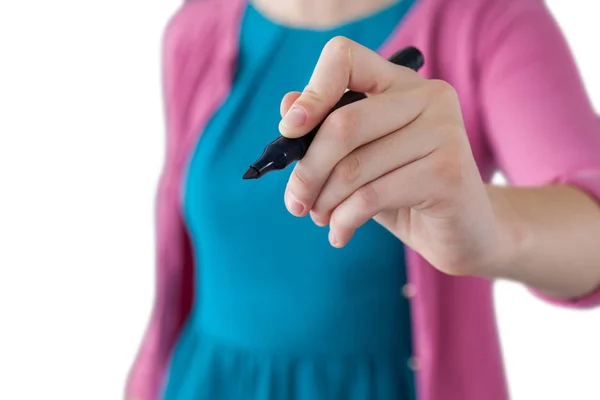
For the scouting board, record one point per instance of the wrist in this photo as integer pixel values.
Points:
(512, 236)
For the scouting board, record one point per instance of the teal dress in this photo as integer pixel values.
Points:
(280, 314)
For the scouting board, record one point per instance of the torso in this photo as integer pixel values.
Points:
(277, 303)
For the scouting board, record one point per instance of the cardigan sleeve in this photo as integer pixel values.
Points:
(174, 290)
(538, 119)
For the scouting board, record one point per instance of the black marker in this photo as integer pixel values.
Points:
(283, 151)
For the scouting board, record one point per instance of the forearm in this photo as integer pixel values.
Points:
(552, 239)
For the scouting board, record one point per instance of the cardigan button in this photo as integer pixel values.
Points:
(409, 290)
(414, 363)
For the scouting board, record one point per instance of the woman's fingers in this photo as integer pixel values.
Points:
(343, 64)
(431, 185)
(345, 130)
(369, 162)
(401, 188)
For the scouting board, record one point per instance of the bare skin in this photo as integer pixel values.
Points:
(543, 237)
(317, 13)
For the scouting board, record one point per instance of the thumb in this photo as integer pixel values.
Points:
(343, 64)
(287, 102)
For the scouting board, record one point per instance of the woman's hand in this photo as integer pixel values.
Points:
(401, 156)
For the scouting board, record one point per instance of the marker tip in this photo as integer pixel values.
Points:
(252, 173)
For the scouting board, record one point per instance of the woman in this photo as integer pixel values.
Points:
(253, 303)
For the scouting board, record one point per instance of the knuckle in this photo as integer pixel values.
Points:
(338, 46)
(349, 169)
(338, 51)
(342, 124)
(368, 197)
(301, 176)
(440, 87)
(448, 168)
(443, 92)
(315, 95)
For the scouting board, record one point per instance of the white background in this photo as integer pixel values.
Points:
(81, 146)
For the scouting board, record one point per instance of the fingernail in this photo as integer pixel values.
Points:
(295, 117)
(293, 205)
(333, 239)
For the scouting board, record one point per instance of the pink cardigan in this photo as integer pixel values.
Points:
(526, 113)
